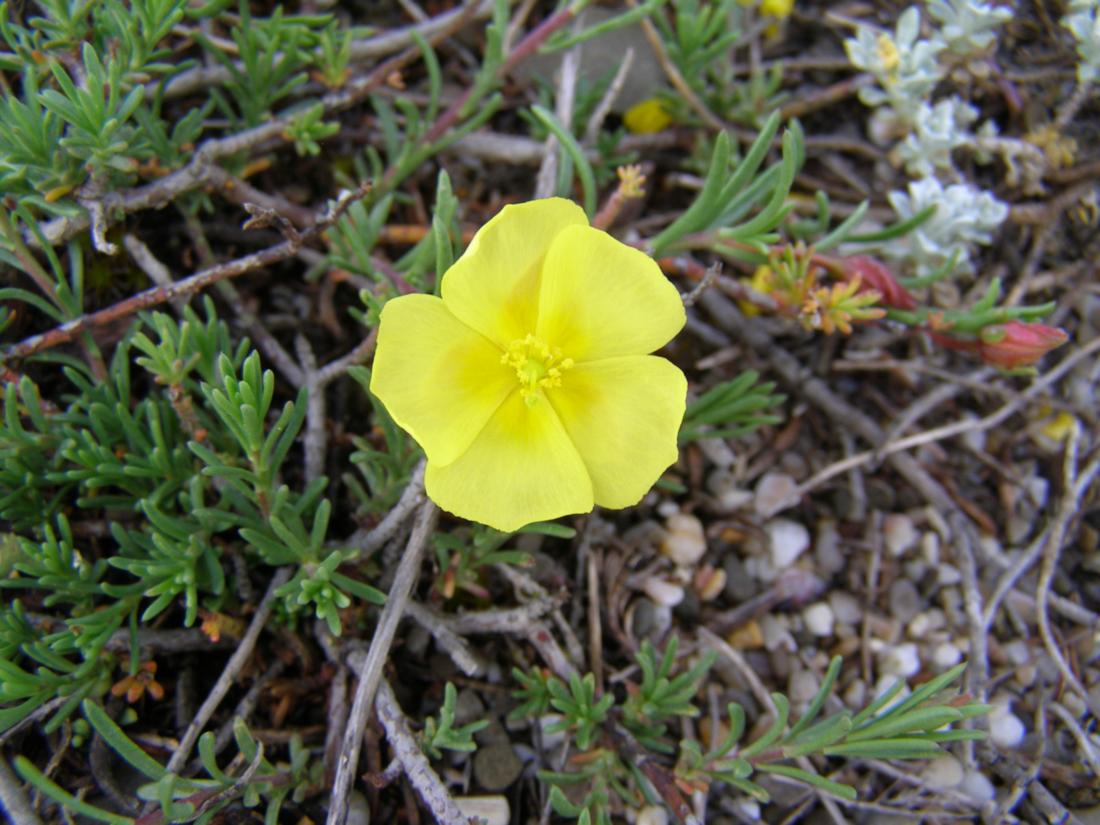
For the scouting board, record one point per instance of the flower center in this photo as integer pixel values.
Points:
(887, 52)
(537, 366)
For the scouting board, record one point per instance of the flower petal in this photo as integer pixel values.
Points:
(494, 286)
(601, 298)
(521, 468)
(440, 380)
(623, 415)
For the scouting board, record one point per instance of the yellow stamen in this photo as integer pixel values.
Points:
(887, 52)
(538, 367)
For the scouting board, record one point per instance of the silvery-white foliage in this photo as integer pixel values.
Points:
(904, 66)
(937, 131)
(964, 216)
(967, 26)
(1083, 22)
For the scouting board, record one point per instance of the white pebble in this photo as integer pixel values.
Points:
(930, 548)
(723, 487)
(652, 815)
(946, 655)
(855, 695)
(749, 808)
(551, 739)
(493, 810)
(663, 592)
(846, 607)
(668, 508)
(802, 687)
(943, 773)
(1039, 489)
(947, 575)
(775, 492)
(1017, 651)
(899, 533)
(684, 541)
(761, 569)
(901, 660)
(776, 634)
(885, 683)
(819, 619)
(1007, 731)
(788, 540)
(827, 553)
(977, 786)
(1005, 728)
(925, 622)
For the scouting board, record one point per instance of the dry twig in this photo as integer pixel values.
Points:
(371, 672)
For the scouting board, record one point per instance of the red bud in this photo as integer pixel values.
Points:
(875, 275)
(1018, 344)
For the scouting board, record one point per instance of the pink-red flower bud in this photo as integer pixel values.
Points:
(1018, 344)
(875, 275)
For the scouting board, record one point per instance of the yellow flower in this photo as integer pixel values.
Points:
(647, 117)
(777, 8)
(528, 384)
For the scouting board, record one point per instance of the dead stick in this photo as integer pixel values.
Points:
(199, 281)
(371, 672)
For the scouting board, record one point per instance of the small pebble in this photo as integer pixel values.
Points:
(899, 533)
(776, 634)
(905, 600)
(663, 592)
(684, 541)
(802, 687)
(1038, 489)
(761, 569)
(748, 808)
(787, 540)
(924, 623)
(1018, 651)
(551, 739)
(943, 773)
(652, 815)
(496, 766)
(647, 619)
(358, 810)
(709, 582)
(846, 607)
(727, 494)
(739, 584)
(819, 619)
(492, 810)
(977, 786)
(886, 683)
(855, 695)
(746, 637)
(668, 508)
(947, 575)
(901, 660)
(775, 492)
(1024, 675)
(930, 548)
(1005, 728)
(946, 655)
(827, 553)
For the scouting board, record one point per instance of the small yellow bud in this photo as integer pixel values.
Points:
(647, 117)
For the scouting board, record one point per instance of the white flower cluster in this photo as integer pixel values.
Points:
(937, 131)
(1083, 22)
(906, 69)
(964, 215)
(966, 28)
